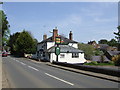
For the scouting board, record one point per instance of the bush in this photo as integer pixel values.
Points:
(94, 63)
(111, 62)
(116, 60)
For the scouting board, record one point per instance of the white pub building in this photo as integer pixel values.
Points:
(69, 52)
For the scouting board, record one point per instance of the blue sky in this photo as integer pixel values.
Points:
(87, 20)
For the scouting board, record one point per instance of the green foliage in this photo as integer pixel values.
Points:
(117, 34)
(91, 63)
(21, 43)
(102, 59)
(111, 62)
(103, 41)
(118, 37)
(112, 42)
(12, 42)
(4, 25)
(116, 60)
(88, 50)
(97, 52)
(94, 63)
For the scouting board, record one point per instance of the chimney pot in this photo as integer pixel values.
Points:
(55, 33)
(71, 35)
(44, 36)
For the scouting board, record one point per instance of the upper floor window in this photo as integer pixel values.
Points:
(75, 55)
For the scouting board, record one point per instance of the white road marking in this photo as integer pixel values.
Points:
(59, 79)
(17, 61)
(22, 63)
(33, 68)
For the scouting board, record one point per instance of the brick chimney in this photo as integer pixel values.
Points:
(55, 33)
(44, 36)
(71, 35)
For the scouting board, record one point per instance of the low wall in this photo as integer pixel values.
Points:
(107, 71)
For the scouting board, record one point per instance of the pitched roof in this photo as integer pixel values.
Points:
(65, 49)
(98, 58)
(103, 46)
(112, 53)
(66, 40)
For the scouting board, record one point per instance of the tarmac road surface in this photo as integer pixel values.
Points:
(23, 73)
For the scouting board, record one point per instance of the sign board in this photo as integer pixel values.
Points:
(58, 40)
(57, 50)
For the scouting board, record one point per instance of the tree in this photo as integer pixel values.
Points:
(25, 43)
(22, 42)
(88, 50)
(12, 43)
(103, 41)
(118, 37)
(35, 46)
(112, 42)
(4, 25)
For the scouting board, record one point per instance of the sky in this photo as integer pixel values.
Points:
(87, 20)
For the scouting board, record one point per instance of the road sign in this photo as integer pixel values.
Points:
(57, 50)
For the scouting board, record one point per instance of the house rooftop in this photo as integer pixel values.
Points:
(66, 40)
(65, 49)
(103, 46)
(112, 53)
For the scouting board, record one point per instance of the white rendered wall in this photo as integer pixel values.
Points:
(50, 44)
(68, 58)
(75, 45)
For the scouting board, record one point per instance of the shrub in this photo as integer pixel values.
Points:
(111, 62)
(116, 60)
(94, 62)
(102, 59)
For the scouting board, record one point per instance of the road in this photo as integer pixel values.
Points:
(23, 73)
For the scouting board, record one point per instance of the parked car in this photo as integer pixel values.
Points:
(4, 54)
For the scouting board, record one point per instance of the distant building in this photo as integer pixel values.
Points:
(110, 54)
(69, 49)
(94, 44)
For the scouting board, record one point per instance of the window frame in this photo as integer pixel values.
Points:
(75, 55)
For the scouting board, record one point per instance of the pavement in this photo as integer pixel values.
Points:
(24, 73)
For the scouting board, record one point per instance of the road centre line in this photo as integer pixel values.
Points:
(22, 63)
(59, 79)
(17, 61)
(33, 68)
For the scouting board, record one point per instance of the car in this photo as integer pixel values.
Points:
(4, 54)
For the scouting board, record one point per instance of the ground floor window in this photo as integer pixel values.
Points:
(75, 55)
(62, 55)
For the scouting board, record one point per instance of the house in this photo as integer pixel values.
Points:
(69, 49)
(98, 59)
(94, 44)
(68, 54)
(110, 54)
